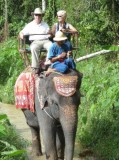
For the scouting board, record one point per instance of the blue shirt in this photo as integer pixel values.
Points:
(56, 50)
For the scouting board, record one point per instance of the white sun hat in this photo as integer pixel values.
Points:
(59, 36)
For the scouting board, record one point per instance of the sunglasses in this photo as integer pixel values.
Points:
(37, 14)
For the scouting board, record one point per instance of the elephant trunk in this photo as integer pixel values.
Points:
(68, 121)
(69, 145)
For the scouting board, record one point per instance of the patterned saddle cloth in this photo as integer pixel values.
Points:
(65, 85)
(25, 90)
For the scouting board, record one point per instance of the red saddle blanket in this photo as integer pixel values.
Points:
(25, 91)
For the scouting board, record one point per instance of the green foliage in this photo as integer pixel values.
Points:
(99, 112)
(11, 144)
(10, 67)
(97, 21)
(50, 12)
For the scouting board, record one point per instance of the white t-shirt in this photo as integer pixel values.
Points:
(33, 28)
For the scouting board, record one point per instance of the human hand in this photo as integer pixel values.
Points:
(50, 34)
(69, 53)
(64, 30)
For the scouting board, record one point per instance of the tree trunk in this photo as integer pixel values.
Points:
(43, 5)
(6, 22)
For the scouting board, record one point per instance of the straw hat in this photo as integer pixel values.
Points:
(37, 11)
(59, 36)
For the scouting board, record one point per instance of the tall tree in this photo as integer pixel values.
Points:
(43, 5)
(6, 21)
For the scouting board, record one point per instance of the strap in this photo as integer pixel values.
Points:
(65, 26)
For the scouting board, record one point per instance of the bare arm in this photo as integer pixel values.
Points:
(70, 29)
(53, 30)
(61, 56)
(54, 59)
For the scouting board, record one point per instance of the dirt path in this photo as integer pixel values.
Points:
(16, 118)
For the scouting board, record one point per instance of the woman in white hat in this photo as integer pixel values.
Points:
(59, 52)
(38, 35)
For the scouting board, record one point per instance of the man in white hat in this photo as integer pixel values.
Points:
(38, 35)
(59, 54)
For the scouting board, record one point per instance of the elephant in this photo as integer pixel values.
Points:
(55, 117)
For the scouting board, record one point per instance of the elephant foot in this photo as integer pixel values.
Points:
(34, 156)
(60, 158)
(38, 154)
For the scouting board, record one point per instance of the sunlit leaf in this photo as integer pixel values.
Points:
(3, 116)
(2, 130)
(13, 153)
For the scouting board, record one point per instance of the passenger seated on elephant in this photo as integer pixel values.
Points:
(60, 54)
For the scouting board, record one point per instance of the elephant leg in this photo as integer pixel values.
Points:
(32, 121)
(36, 141)
(48, 131)
(60, 142)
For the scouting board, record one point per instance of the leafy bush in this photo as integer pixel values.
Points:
(10, 67)
(11, 144)
(98, 127)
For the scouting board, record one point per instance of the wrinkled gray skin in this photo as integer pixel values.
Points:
(64, 111)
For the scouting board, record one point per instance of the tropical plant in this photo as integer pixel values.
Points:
(99, 111)
(11, 144)
(10, 67)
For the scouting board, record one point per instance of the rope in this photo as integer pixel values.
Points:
(48, 114)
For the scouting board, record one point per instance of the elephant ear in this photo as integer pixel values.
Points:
(41, 91)
(65, 85)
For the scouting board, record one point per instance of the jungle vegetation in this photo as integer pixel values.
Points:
(12, 145)
(97, 22)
